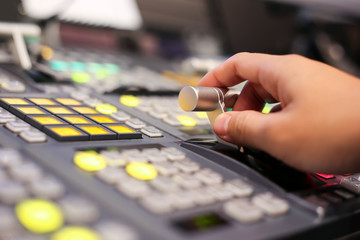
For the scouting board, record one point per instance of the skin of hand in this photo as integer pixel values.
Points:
(317, 128)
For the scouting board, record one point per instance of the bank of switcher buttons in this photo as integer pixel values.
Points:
(67, 119)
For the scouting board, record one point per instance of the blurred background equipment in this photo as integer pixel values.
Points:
(94, 144)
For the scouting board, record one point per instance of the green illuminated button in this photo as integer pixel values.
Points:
(60, 66)
(106, 108)
(89, 161)
(129, 100)
(141, 171)
(93, 67)
(187, 121)
(75, 233)
(39, 216)
(80, 77)
(77, 66)
(111, 69)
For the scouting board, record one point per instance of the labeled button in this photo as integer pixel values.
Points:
(39, 216)
(135, 123)
(85, 110)
(22, 111)
(106, 108)
(65, 133)
(6, 102)
(124, 132)
(33, 136)
(59, 110)
(76, 119)
(102, 119)
(75, 233)
(141, 171)
(98, 132)
(243, 211)
(68, 101)
(17, 126)
(89, 161)
(151, 131)
(120, 116)
(6, 117)
(42, 101)
(129, 100)
(39, 121)
(78, 210)
(271, 204)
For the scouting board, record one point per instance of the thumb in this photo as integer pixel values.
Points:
(246, 128)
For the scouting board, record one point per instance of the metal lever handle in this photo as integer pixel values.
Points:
(213, 101)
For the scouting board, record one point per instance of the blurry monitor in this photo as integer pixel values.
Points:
(118, 14)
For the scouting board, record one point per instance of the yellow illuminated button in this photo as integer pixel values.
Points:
(141, 171)
(15, 101)
(65, 131)
(102, 119)
(186, 121)
(47, 120)
(47, 53)
(68, 101)
(106, 108)
(201, 114)
(59, 110)
(89, 161)
(39, 216)
(76, 119)
(30, 110)
(120, 129)
(85, 110)
(129, 100)
(75, 233)
(94, 130)
(42, 101)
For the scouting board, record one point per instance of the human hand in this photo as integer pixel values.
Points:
(317, 128)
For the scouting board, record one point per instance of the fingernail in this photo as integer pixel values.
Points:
(221, 124)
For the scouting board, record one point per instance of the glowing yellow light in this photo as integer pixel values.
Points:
(102, 119)
(120, 129)
(39, 216)
(47, 53)
(47, 120)
(141, 171)
(94, 130)
(68, 101)
(89, 161)
(75, 233)
(65, 131)
(85, 110)
(201, 114)
(76, 120)
(106, 108)
(129, 100)
(15, 101)
(59, 110)
(187, 121)
(42, 101)
(31, 110)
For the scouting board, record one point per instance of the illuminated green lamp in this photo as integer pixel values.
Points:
(60, 66)
(80, 77)
(77, 66)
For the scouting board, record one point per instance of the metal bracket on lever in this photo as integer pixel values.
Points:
(213, 101)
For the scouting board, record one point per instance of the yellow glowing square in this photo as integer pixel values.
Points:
(121, 129)
(76, 120)
(59, 110)
(94, 130)
(68, 101)
(42, 101)
(102, 119)
(47, 120)
(85, 110)
(31, 110)
(15, 101)
(65, 131)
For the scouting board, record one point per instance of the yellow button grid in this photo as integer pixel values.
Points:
(67, 119)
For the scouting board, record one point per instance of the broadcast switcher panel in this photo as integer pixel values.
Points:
(79, 159)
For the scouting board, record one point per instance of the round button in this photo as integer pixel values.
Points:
(187, 121)
(129, 100)
(75, 233)
(141, 171)
(106, 108)
(89, 161)
(39, 216)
